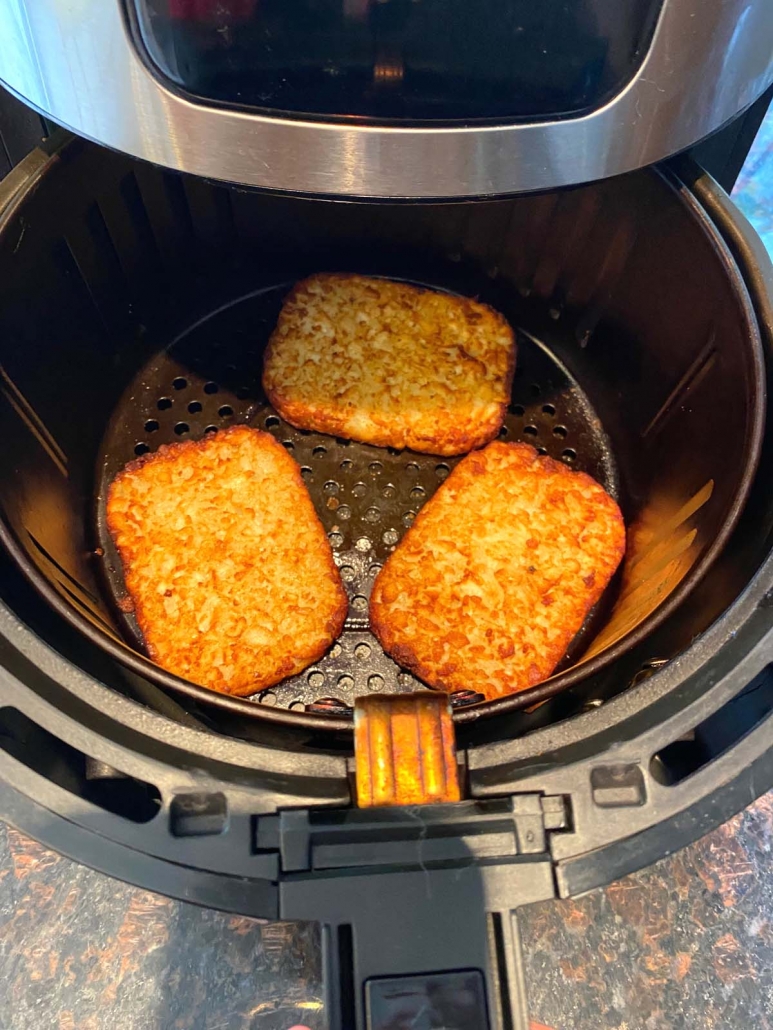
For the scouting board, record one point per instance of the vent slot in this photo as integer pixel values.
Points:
(73, 771)
(105, 247)
(60, 568)
(718, 734)
(345, 942)
(144, 237)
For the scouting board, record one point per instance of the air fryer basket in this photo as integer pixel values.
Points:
(136, 303)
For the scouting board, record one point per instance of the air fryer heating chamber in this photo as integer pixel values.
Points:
(624, 391)
(135, 304)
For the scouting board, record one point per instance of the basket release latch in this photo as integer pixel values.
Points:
(404, 748)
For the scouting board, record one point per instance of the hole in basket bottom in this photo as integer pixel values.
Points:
(75, 772)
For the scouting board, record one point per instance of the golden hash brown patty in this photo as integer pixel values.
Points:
(498, 572)
(227, 565)
(390, 364)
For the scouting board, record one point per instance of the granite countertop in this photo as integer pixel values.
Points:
(684, 945)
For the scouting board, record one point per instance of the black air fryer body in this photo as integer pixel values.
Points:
(135, 301)
(205, 798)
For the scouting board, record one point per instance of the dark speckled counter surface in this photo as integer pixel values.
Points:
(684, 945)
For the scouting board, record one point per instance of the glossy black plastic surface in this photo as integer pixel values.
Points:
(418, 60)
(453, 1000)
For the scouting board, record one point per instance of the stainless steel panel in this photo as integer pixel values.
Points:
(74, 61)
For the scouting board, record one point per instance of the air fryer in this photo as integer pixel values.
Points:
(135, 306)
(135, 303)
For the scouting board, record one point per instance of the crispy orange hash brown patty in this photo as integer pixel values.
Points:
(390, 364)
(227, 565)
(498, 572)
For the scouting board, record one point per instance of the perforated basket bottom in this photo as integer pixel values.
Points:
(365, 496)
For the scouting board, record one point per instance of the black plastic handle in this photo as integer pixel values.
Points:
(423, 945)
(420, 913)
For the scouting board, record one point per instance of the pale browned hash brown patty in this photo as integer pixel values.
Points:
(498, 572)
(390, 364)
(225, 561)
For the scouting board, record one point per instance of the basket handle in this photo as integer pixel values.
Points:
(404, 750)
(439, 942)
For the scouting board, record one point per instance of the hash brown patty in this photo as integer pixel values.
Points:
(226, 563)
(390, 364)
(498, 572)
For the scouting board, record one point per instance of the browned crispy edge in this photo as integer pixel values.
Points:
(168, 452)
(406, 657)
(301, 416)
